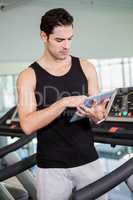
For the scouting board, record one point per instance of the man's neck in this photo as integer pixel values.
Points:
(52, 61)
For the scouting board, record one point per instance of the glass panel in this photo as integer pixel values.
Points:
(114, 73)
(7, 91)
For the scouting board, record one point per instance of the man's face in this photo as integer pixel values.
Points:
(59, 42)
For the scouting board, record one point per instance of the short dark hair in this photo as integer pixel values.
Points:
(55, 17)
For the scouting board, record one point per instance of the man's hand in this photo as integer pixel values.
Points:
(74, 101)
(96, 112)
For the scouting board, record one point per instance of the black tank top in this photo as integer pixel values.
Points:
(63, 144)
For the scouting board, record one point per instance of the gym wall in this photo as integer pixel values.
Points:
(102, 30)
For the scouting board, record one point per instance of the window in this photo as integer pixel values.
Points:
(114, 73)
(8, 92)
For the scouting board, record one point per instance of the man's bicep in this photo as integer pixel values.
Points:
(26, 97)
(93, 85)
(91, 75)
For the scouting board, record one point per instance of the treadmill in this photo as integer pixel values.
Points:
(9, 126)
(101, 133)
(116, 129)
(118, 124)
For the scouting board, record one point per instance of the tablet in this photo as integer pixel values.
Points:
(89, 101)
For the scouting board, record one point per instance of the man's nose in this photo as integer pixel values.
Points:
(66, 45)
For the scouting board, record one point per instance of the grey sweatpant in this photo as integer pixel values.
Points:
(58, 183)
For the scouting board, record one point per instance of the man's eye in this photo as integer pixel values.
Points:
(58, 40)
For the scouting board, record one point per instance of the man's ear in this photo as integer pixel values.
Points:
(43, 36)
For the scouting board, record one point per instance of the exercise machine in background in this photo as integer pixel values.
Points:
(114, 131)
(12, 164)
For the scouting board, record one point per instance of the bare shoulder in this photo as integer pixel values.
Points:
(26, 78)
(87, 67)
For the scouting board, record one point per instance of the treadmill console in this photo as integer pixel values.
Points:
(120, 107)
(117, 128)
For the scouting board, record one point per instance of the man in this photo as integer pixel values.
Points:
(50, 90)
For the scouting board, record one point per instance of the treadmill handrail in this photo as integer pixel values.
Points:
(16, 145)
(18, 167)
(105, 183)
(112, 140)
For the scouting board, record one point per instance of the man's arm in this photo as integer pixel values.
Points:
(97, 111)
(31, 119)
(91, 75)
